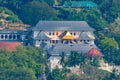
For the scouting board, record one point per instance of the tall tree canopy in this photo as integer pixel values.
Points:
(34, 11)
(25, 63)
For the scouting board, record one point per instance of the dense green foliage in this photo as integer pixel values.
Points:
(56, 74)
(26, 62)
(34, 11)
(76, 59)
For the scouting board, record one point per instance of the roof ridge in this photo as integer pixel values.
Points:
(63, 25)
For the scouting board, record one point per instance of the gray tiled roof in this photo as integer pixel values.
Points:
(84, 36)
(59, 48)
(63, 34)
(42, 35)
(63, 25)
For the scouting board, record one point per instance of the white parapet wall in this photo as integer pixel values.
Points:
(54, 62)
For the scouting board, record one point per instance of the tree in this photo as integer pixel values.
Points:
(73, 59)
(56, 74)
(63, 14)
(24, 63)
(110, 10)
(76, 15)
(10, 70)
(98, 1)
(110, 50)
(93, 73)
(112, 76)
(74, 77)
(49, 2)
(76, 58)
(62, 61)
(34, 11)
(8, 15)
(95, 20)
(14, 5)
(106, 42)
(115, 27)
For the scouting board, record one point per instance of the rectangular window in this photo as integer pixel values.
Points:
(53, 41)
(56, 41)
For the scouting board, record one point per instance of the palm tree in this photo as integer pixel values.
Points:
(62, 61)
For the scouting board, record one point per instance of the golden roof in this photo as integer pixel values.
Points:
(68, 36)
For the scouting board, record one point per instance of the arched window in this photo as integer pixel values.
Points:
(50, 33)
(56, 33)
(10, 36)
(88, 40)
(6, 36)
(62, 41)
(2, 36)
(74, 33)
(26, 37)
(53, 41)
(56, 41)
(84, 40)
(53, 33)
(18, 36)
(43, 40)
(14, 36)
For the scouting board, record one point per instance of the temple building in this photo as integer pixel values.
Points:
(12, 37)
(14, 34)
(56, 37)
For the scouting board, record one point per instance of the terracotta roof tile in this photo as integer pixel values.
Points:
(94, 52)
(9, 45)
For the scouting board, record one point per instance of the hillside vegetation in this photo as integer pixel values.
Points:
(105, 19)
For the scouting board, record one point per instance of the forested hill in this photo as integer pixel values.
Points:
(25, 63)
(31, 11)
(105, 19)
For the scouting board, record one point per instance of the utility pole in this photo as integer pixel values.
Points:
(43, 72)
(43, 77)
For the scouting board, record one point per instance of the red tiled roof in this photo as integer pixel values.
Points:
(94, 52)
(9, 45)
